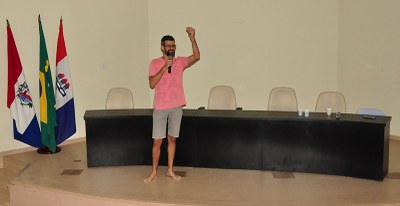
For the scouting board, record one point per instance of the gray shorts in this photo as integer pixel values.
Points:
(161, 117)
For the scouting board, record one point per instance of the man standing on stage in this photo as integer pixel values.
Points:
(165, 76)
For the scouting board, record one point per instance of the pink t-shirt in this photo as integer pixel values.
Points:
(169, 90)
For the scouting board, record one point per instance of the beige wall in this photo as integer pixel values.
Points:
(310, 45)
(253, 46)
(106, 44)
(369, 63)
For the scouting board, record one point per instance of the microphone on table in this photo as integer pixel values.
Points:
(170, 57)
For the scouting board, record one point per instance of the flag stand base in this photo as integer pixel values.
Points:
(46, 150)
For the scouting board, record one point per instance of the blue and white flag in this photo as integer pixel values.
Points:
(65, 108)
(19, 101)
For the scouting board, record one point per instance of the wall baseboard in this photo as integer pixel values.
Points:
(394, 137)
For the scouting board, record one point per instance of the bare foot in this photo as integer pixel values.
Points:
(152, 177)
(174, 176)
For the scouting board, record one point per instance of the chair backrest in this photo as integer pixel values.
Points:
(119, 98)
(331, 99)
(282, 99)
(370, 111)
(222, 97)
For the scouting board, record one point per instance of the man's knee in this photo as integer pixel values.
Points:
(171, 139)
(157, 142)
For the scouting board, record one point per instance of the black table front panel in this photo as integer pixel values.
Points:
(264, 140)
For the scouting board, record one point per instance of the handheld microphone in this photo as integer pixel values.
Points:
(170, 57)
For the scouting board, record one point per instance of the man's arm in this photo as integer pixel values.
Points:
(195, 57)
(153, 80)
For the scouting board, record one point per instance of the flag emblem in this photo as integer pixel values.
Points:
(62, 84)
(23, 95)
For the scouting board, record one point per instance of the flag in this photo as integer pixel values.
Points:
(19, 101)
(47, 100)
(65, 108)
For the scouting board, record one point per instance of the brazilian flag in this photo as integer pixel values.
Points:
(47, 100)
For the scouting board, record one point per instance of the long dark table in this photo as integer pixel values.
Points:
(263, 140)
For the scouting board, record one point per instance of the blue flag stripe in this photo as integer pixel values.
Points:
(31, 135)
(65, 116)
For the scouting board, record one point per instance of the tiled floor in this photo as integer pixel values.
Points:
(67, 171)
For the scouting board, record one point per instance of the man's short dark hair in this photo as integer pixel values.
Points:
(166, 38)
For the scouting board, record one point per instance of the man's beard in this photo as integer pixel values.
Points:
(170, 53)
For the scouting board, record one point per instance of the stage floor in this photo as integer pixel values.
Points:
(68, 171)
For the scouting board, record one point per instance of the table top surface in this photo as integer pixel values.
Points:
(239, 114)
